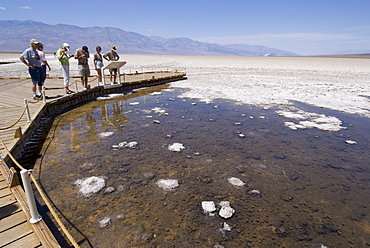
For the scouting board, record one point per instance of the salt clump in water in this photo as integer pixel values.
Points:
(168, 184)
(226, 211)
(208, 206)
(105, 222)
(90, 185)
(156, 93)
(311, 120)
(351, 142)
(176, 147)
(110, 96)
(159, 110)
(106, 134)
(236, 181)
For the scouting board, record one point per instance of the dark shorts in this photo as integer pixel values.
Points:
(36, 75)
(43, 74)
(112, 70)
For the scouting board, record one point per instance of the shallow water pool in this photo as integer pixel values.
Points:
(304, 188)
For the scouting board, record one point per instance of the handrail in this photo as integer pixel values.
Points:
(20, 117)
(44, 198)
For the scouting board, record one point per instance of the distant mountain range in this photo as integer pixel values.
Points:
(15, 37)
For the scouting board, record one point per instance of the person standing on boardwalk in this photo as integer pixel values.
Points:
(44, 63)
(82, 54)
(112, 56)
(63, 58)
(31, 59)
(98, 63)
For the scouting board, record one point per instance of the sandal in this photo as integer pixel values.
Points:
(69, 92)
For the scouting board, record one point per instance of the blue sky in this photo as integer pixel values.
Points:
(306, 27)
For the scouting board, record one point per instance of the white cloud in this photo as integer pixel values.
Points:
(25, 7)
(2, 8)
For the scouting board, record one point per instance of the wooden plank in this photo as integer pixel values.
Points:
(5, 191)
(29, 241)
(9, 210)
(15, 233)
(7, 200)
(12, 220)
(41, 230)
(3, 184)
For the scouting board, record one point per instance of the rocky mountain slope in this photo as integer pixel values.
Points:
(15, 36)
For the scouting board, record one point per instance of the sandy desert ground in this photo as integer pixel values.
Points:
(340, 84)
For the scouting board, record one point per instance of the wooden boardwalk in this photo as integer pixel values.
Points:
(15, 229)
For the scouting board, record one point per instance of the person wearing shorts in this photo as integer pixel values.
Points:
(31, 59)
(98, 63)
(82, 55)
(44, 63)
(112, 56)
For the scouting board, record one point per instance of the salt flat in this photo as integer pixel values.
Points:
(340, 84)
(336, 83)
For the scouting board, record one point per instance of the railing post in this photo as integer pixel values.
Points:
(27, 110)
(43, 94)
(35, 216)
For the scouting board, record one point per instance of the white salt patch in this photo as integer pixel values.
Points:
(90, 185)
(132, 144)
(110, 96)
(224, 204)
(226, 227)
(168, 184)
(226, 212)
(208, 206)
(156, 93)
(310, 120)
(126, 144)
(105, 222)
(176, 147)
(236, 181)
(106, 134)
(159, 110)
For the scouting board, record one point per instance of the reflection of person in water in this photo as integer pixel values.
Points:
(75, 138)
(90, 124)
(112, 116)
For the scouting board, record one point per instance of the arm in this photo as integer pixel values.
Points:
(60, 54)
(47, 64)
(25, 62)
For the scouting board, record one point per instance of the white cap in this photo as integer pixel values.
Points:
(66, 45)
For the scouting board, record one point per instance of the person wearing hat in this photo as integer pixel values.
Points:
(63, 58)
(83, 55)
(112, 56)
(31, 59)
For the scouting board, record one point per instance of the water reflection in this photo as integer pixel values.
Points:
(314, 187)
